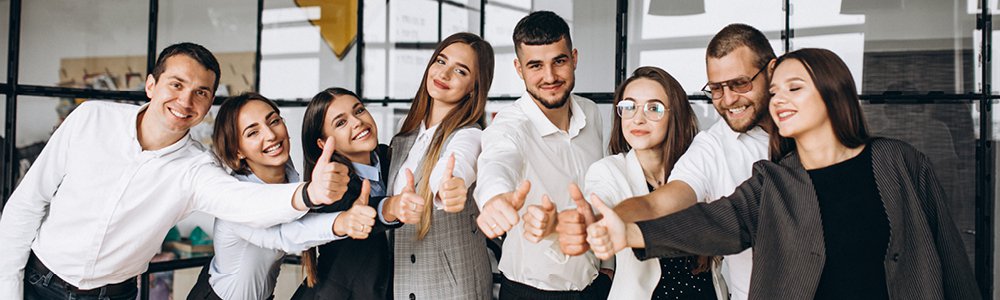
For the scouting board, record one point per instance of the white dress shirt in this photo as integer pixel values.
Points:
(718, 160)
(95, 207)
(520, 144)
(247, 260)
(464, 144)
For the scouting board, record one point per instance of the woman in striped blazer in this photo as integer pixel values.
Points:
(835, 214)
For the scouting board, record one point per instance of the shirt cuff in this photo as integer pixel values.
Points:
(322, 224)
(381, 218)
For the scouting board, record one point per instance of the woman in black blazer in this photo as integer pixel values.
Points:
(357, 268)
(834, 214)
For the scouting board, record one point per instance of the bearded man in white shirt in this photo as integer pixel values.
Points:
(114, 178)
(532, 151)
(719, 158)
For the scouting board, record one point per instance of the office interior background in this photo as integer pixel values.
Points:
(924, 69)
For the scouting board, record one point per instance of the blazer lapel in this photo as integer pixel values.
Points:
(400, 148)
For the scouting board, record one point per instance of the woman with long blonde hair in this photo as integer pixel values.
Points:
(444, 256)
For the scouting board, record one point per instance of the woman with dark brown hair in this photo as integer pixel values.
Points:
(251, 140)
(444, 256)
(356, 268)
(653, 125)
(834, 214)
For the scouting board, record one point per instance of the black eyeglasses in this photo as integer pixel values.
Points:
(652, 110)
(740, 84)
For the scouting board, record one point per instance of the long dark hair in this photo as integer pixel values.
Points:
(835, 85)
(312, 130)
(469, 111)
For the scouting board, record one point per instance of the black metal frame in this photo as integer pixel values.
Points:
(985, 170)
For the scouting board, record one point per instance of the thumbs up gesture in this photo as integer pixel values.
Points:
(499, 214)
(607, 236)
(356, 222)
(572, 227)
(407, 206)
(329, 178)
(452, 190)
(539, 220)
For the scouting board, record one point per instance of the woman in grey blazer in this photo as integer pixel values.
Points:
(834, 214)
(444, 256)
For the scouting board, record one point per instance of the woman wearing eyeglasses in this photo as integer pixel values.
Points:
(653, 125)
(835, 213)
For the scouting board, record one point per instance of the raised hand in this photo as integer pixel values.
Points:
(539, 220)
(607, 236)
(329, 178)
(407, 206)
(499, 214)
(452, 190)
(356, 222)
(572, 227)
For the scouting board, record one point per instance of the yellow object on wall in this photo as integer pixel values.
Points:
(338, 23)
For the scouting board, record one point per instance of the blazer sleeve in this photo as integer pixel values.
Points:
(722, 227)
(956, 273)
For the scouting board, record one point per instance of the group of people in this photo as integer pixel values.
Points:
(786, 197)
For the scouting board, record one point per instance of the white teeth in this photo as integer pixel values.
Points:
(272, 148)
(361, 135)
(738, 109)
(177, 114)
(785, 114)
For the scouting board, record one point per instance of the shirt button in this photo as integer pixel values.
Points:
(413, 259)
(895, 257)
(412, 296)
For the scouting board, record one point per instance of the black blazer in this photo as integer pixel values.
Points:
(355, 269)
(777, 213)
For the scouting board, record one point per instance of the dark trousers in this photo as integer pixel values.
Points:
(202, 290)
(513, 290)
(41, 284)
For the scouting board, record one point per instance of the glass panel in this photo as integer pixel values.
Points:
(455, 18)
(945, 133)
(304, 48)
(97, 44)
(228, 28)
(673, 34)
(592, 27)
(4, 34)
(894, 45)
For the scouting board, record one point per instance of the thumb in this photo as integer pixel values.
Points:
(521, 193)
(409, 188)
(602, 208)
(449, 170)
(547, 204)
(328, 149)
(366, 189)
(582, 206)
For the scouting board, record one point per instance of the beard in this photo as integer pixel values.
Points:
(760, 110)
(554, 103)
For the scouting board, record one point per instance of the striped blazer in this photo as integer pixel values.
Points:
(777, 213)
(451, 261)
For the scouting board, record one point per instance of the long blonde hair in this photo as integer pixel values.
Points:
(468, 112)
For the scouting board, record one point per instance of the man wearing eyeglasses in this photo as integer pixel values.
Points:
(721, 157)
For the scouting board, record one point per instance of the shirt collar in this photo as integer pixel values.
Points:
(373, 172)
(290, 174)
(134, 135)
(756, 131)
(545, 127)
(426, 131)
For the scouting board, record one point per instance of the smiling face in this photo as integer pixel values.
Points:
(352, 128)
(796, 105)
(547, 71)
(742, 111)
(452, 75)
(264, 139)
(640, 131)
(181, 97)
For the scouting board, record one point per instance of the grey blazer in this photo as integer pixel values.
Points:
(451, 261)
(777, 213)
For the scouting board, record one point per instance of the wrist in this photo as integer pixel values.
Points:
(306, 200)
(389, 207)
(338, 226)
